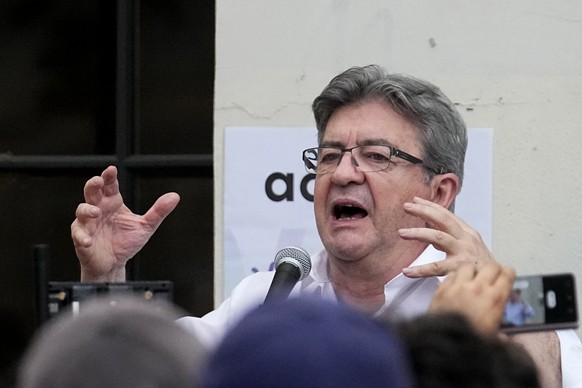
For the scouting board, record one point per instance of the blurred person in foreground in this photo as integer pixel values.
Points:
(308, 343)
(129, 343)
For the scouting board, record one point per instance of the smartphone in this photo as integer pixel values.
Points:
(541, 302)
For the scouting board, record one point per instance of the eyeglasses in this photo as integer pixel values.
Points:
(366, 158)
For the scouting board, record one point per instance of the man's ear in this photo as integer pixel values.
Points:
(445, 188)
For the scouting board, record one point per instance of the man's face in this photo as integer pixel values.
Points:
(360, 213)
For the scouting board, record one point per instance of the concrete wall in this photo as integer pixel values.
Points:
(513, 66)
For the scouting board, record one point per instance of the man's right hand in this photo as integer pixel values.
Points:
(106, 234)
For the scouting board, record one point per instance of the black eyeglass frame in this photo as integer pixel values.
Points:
(394, 152)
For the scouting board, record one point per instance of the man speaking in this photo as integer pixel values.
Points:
(388, 165)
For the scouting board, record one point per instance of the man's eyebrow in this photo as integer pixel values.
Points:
(378, 141)
(338, 144)
(335, 144)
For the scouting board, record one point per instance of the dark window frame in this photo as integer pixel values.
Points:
(130, 165)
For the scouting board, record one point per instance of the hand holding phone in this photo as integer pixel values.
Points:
(541, 302)
(478, 295)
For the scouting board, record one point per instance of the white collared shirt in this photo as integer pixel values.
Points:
(405, 297)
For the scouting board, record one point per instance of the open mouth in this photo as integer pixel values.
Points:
(348, 212)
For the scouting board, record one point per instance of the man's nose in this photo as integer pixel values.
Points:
(351, 159)
(347, 170)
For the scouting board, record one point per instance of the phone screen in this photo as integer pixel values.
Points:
(541, 302)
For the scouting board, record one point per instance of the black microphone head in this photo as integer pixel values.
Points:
(297, 257)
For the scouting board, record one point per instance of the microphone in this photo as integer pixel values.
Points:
(292, 264)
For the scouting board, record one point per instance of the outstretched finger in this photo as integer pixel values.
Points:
(440, 240)
(110, 182)
(93, 190)
(440, 217)
(439, 268)
(161, 209)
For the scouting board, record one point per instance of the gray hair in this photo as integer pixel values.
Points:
(441, 130)
(129, 343)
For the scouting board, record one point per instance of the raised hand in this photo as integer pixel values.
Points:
(447, 233)
(480, 295)
(106, 234)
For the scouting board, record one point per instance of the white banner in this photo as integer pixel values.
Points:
(268, 195)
